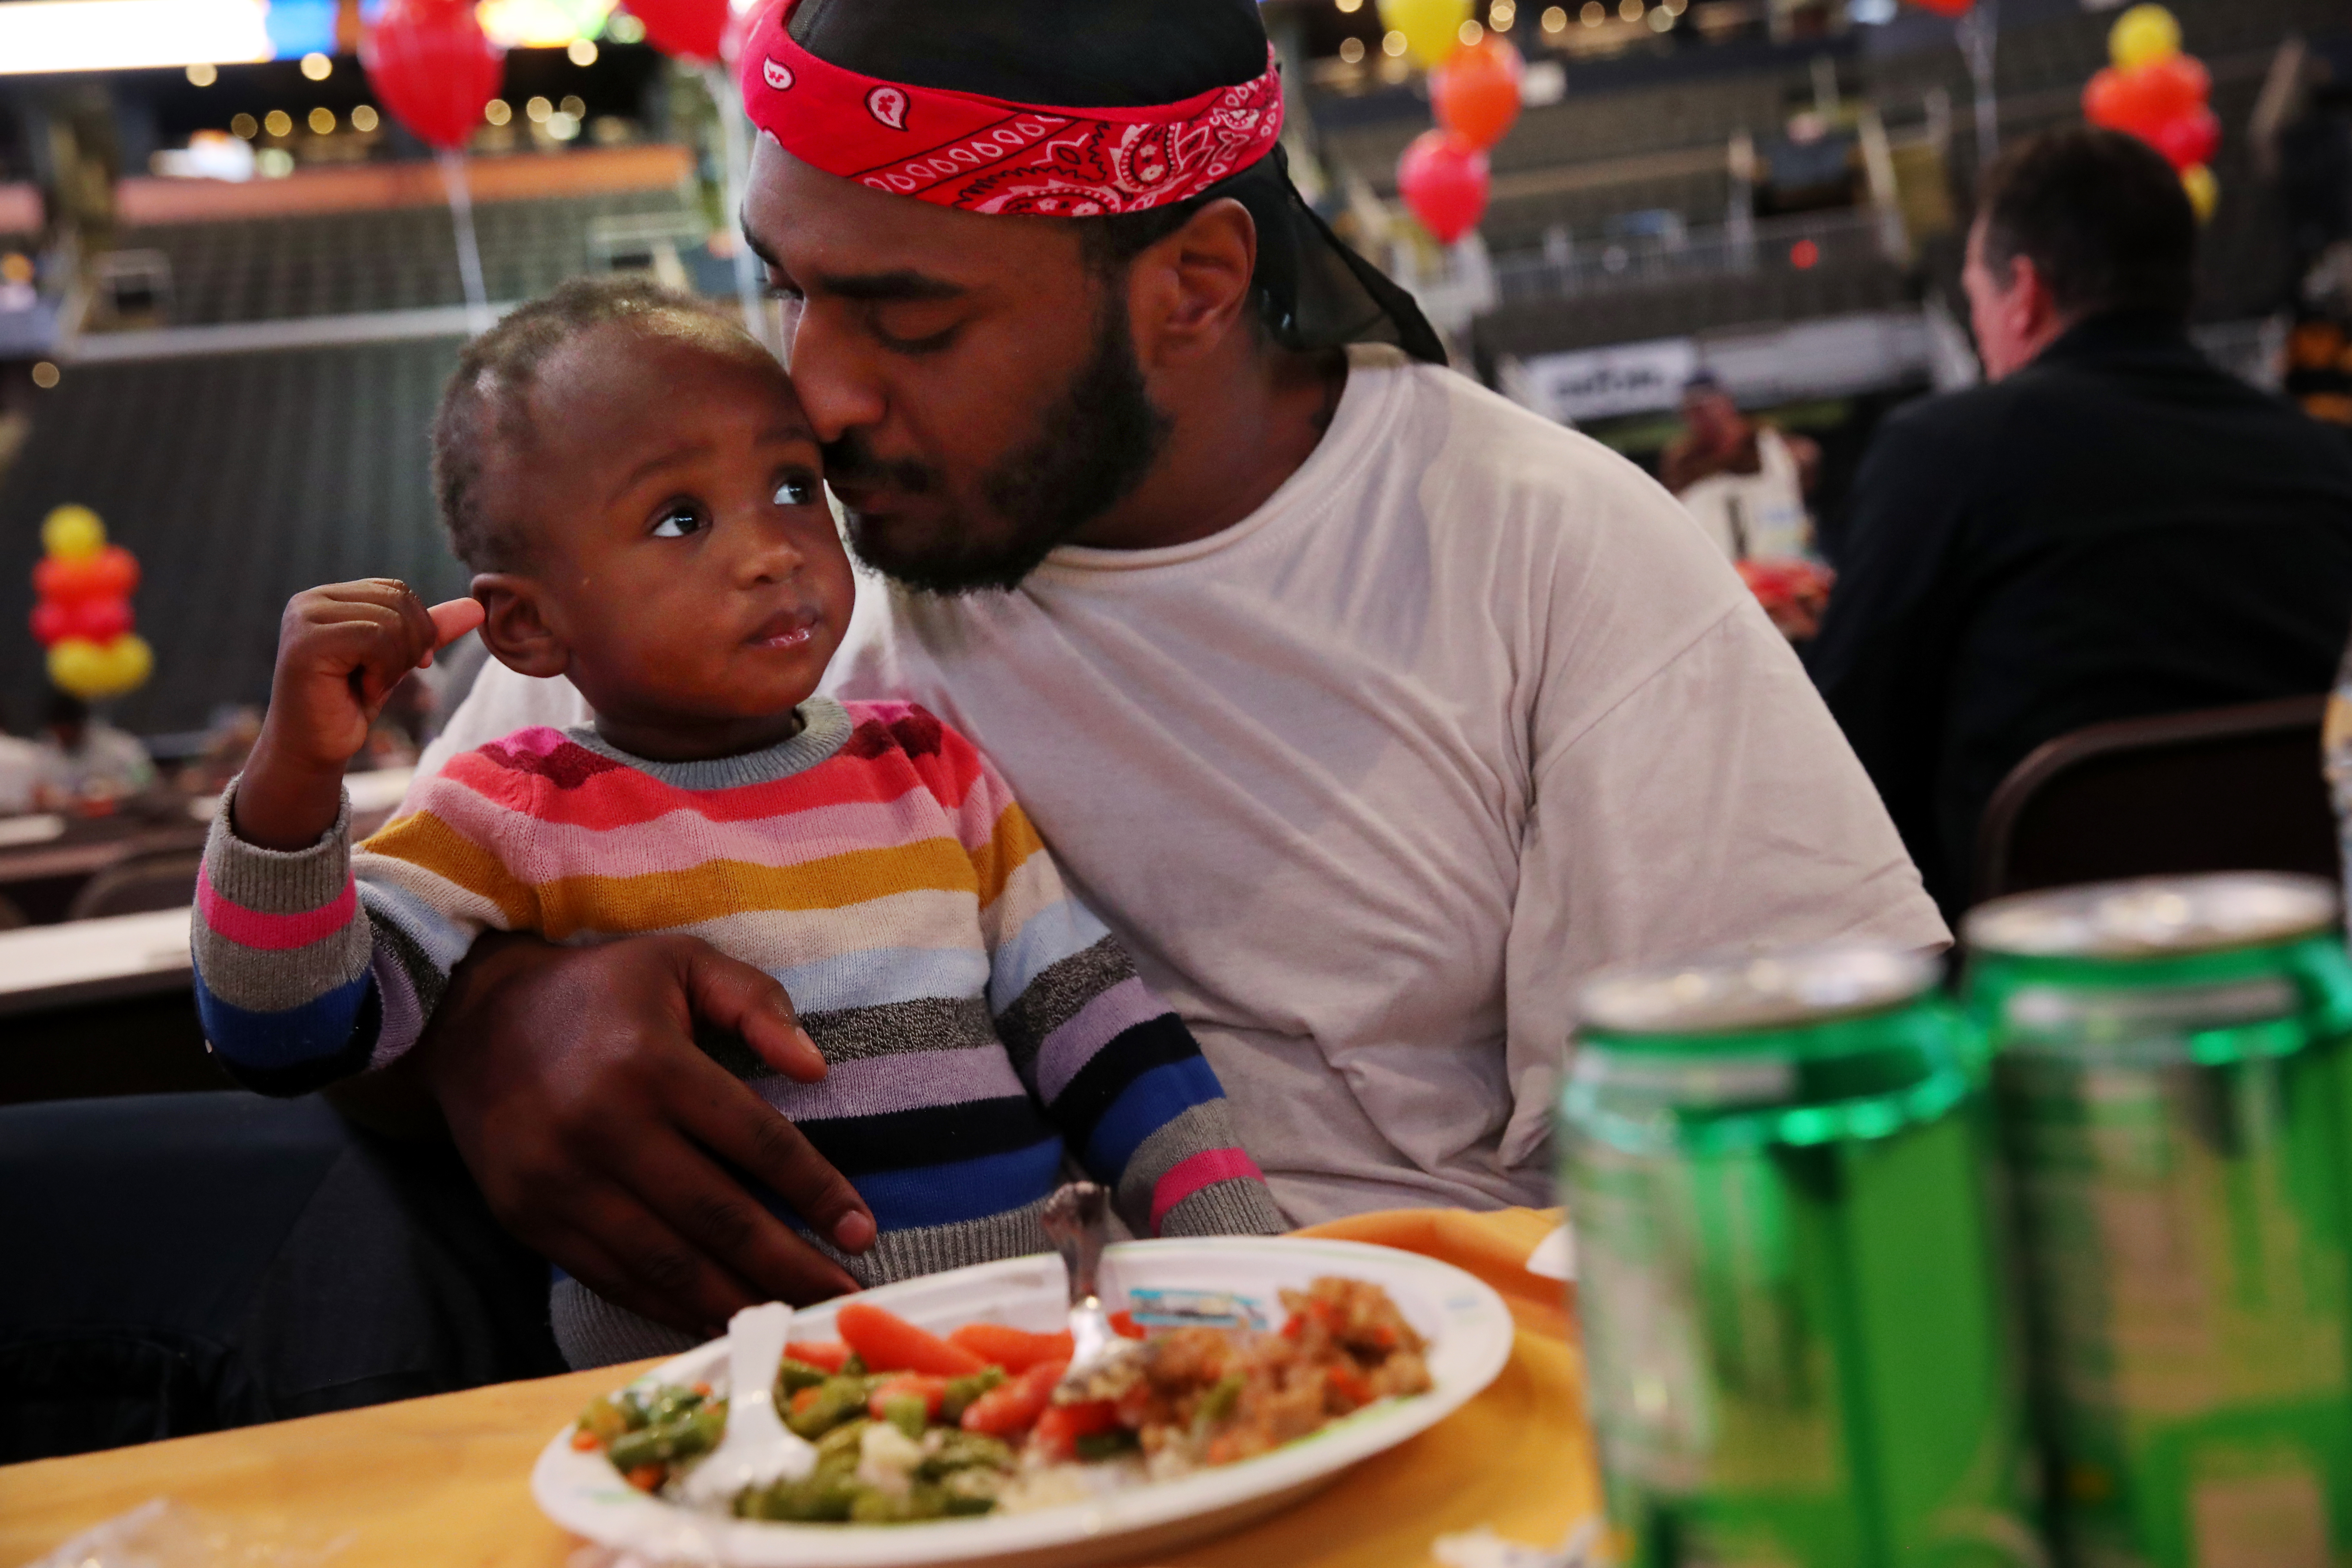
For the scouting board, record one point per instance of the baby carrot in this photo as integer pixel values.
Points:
(1011, 1408)
(1015, 1350)
(887, 1343)
(826, 1355)
(1059, 1426)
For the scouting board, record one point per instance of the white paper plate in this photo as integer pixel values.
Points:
(1466, 1325)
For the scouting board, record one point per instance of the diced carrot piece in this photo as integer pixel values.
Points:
(1011, 1408)
(646, 1478)
(1059, 1426)
(803, 1398)
(931, 1391)
(826, 1355)
(584, 1440)
(1015, 1350)
(887, 1343)
(1349, 1386)
(1123, 1322)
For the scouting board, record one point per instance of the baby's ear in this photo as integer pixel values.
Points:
(515, 628)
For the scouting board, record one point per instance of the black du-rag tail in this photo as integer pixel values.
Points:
(1070, 109)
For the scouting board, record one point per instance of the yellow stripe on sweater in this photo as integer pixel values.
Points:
(1011, 844)
(423, 840)
(661, 900)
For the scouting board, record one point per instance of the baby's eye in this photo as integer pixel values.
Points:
(796, 489)
(679, 519)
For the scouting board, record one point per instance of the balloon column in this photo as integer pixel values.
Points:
(435, 67)
(690, 30)
(2159, 94)
(1474, 89)
(81, 609)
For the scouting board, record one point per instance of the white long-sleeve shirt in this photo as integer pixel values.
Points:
(1371, 781)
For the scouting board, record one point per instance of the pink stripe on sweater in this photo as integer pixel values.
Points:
(273, 933)
(1193, 1173)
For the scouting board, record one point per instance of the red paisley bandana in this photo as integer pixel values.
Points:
(987, 155)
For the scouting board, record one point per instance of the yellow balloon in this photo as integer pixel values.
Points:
(96, 670)
(2143, 36)
(2204, 190)
(1432, 28)
(72, 533)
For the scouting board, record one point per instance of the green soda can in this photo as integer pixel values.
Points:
(1798, 1345)
(2174, 1093)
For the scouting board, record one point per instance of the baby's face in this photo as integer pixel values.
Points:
(682, 548)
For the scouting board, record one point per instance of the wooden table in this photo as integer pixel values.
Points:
(446, 1481)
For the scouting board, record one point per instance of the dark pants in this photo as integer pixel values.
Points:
(173, 1264)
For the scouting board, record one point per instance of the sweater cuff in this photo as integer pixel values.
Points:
(1242, 1207)
(278, 882)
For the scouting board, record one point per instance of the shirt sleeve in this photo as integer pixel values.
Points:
(1119, 1074)
(1713, 807)
(318, 964)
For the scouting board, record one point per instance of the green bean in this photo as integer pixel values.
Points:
(1099, 1446)
(820, 1499)
(838, 1399)
(966, 1451)
(842, 1441)
(697, 1432)
(963, 1391)
(794, 1375)
(1219, 1401)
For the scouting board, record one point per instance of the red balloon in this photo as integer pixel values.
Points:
(2174, 87)
(110, 573)
(1443, 179)
(433, 66)
(2189, 139)
(2120, 100)
(1946, 8)
(1476, 91)
(687, 29)
(52, 621)
(100, 620)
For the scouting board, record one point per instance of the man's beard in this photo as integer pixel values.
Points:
(1094, 445)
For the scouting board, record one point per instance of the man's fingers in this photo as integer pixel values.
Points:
(453, 619)
(738, 1126)
(734, 995)
(635, 1260)
(710, 1209)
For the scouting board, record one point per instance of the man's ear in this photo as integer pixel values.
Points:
(2029, 298)
(516, 627)
(1190, 292)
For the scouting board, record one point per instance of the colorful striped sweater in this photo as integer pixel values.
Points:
(976, 1019)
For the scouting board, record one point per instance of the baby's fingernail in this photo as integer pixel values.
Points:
(810, 1044)
(853, 1232)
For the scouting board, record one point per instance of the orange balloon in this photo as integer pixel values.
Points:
(1476, 91)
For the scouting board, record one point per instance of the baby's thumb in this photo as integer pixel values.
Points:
(452, 619)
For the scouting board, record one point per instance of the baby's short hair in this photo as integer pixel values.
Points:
(489, 393)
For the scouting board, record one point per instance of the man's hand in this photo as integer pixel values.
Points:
(603, 1138)
(341, 650)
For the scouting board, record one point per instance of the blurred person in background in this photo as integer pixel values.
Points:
(20, 772)
(84, 758)
(2113, 527)
(1743, 480)
(1747, 483)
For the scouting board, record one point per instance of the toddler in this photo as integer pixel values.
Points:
(631, 477)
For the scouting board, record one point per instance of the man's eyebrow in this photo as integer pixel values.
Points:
(884, 286)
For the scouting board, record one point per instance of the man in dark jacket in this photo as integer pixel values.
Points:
(2113, 527)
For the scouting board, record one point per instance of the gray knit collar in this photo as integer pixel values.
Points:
(824, 730)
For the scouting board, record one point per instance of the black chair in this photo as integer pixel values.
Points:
(11, 917)
(2222, 789)
(163, 880)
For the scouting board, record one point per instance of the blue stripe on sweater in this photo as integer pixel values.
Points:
(877, 976)
(1145, 1106)
(269, 1041)
(953, 1193)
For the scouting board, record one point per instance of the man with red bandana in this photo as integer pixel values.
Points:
(1372, 711)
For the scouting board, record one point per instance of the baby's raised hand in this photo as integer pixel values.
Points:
(341, 650)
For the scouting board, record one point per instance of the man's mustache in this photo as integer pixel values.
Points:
(849, 461)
